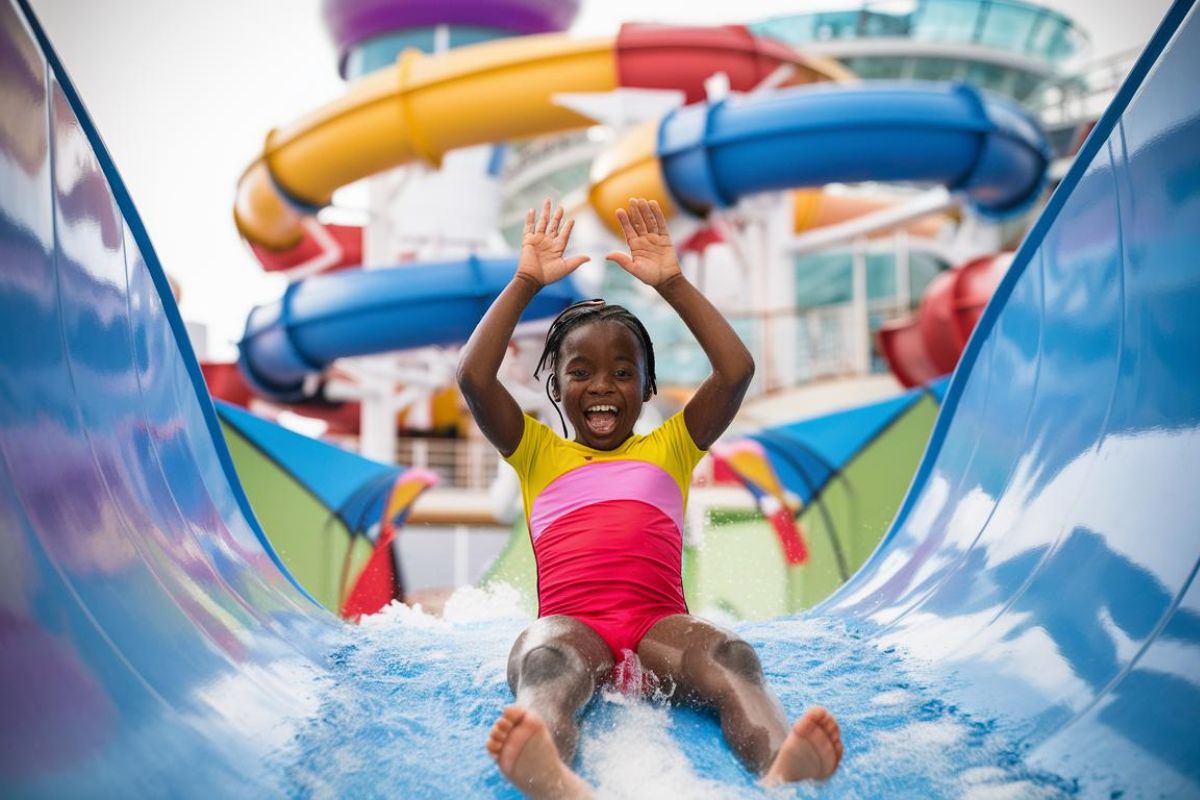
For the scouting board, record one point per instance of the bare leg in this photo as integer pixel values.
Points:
(714, 669)
(553, 670)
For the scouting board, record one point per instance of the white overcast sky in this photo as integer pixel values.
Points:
(184, 92)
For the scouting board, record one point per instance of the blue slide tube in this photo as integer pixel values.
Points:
(716, 153)
(362, 312)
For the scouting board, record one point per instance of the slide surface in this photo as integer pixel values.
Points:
(1043, 566)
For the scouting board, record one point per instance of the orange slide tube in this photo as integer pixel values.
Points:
(424, 106)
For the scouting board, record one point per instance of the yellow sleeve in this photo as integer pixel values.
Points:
(680, 448)
(533, 437)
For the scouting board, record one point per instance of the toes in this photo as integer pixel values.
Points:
(508, 720)
(821, 730)
(823, 720)
(804, 726)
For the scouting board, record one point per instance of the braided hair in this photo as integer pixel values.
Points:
(583, 313)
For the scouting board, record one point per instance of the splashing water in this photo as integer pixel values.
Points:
(409, 699)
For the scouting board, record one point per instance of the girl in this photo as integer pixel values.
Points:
(605, 514)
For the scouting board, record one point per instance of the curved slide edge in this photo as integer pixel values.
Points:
(363, 312)
(712, 154)
(425, 106)
(140, 594)
(631, 167)
(1047, 552)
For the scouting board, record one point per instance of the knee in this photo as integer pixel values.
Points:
(544, 663)
(738, 658)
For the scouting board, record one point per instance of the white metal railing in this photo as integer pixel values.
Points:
(1083, 94)
(460, 463)
(830, 341)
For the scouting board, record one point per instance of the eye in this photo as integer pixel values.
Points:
(577, 374)
(624, 373)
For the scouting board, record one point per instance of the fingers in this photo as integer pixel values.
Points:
(549, 224)
(643, 217)
(635, 215)
(626, 224)
(620, 259)
(660, 218)
(575, 262)
(565, 234)
(555, 221)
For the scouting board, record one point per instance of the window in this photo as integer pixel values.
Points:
(881, 276)
(824, 279)
(876, 67)
(922, 269)
(947, 20)
(1008, 26)
(937, 69)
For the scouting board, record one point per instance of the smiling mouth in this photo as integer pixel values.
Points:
(601, 419)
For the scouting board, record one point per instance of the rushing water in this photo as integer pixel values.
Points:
(408, 701)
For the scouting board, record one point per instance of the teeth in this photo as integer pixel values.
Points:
(594, 409)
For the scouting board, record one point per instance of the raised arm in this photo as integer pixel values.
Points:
(652, 260)
(541, 263)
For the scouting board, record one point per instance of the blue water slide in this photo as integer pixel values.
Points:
(1038, 585)
(363, 312)
(985, 147)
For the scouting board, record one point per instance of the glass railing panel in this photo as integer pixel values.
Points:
(991, 77)
(836, 25)
(947, 20)
(938, 69)
(888, 18)
(1002, 24)
(878, 67)
(1008, 26)
(823, 279)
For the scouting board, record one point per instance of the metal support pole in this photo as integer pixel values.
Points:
(861, 356)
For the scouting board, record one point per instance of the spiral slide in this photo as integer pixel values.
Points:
(703, 156)
(1043, 564)
(416, 111)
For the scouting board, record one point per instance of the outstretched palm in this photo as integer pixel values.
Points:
(542, 246)
(651, 258)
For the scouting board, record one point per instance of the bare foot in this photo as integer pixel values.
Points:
(525, 752)
(811, 751)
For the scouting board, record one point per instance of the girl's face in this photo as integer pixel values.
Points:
(602, 383)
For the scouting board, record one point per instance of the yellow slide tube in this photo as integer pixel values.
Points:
(629, 168)
(418, 109)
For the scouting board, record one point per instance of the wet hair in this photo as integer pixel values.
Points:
(585, 313)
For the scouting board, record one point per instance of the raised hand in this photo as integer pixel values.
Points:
(651, 258)
(542, 247)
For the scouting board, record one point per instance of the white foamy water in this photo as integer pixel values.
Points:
(894, 697)
(635, 756)
(409, 699)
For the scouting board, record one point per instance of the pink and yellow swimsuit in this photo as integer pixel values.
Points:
(607, 527)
